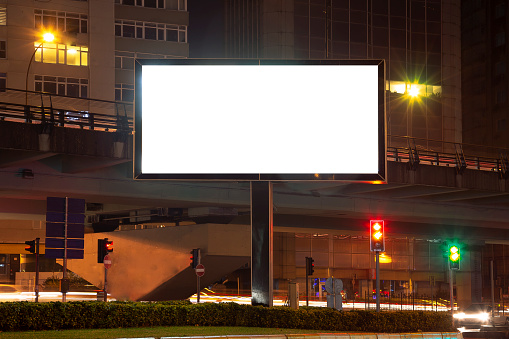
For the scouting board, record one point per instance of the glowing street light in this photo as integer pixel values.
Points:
(46, 37)
(413, 91)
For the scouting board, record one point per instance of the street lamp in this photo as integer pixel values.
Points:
(46, 37)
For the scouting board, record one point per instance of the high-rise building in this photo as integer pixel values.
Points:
(419, 40)
(485, 56)
(94, 47)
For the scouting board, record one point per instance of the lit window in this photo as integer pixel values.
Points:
(61, 54)
(401, 87)
(3, 15)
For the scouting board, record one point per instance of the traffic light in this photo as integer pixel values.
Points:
(376, 235)
(109, 245)
(30, 246)
(104, 246)
(195, 257)
(454, 257)
(310, 266)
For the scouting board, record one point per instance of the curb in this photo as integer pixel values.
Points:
(423, 335)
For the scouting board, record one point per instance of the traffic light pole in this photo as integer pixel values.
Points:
(105, 296)
(37, 269)
(307, 285)
(451, 290)
(377, 273)
(198, 282)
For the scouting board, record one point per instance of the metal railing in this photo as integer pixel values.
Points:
(449, 154)
(65, 111)
(94, 114)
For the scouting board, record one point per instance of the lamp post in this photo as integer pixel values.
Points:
(47, 37)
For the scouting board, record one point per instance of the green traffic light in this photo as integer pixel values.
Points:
(454, 253)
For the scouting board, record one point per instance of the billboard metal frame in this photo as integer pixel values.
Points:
(380, 176)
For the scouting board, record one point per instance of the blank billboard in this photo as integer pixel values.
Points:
(198, 119)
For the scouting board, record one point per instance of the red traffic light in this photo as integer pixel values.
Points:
(195, 257)
(376, 235)
(310, 266)
(109, 245)
(30, 246)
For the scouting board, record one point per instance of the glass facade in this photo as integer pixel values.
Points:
(407, 34)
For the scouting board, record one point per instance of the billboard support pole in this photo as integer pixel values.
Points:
(261, 244)
(64, 270)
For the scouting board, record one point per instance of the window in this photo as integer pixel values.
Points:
(61, 21)
(500, 97)
(62, 86)
(500, 39)
(142, 3)
(500, 10)
(3, 81)
(125, 60)
(3, 15)
(177, 5)
(500, 68)
(3, 49)
(61, 54)
(150, 31)
(124, 92)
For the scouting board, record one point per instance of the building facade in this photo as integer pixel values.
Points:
(419, 41)
(94, 47)
(485, 56)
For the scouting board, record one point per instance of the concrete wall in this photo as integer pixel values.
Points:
(144, 259)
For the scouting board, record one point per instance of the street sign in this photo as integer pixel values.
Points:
(65, 218)
(200, 270)
(107, 262)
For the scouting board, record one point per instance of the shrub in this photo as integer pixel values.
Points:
(24, 316)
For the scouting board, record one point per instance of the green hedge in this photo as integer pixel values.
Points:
(24, 316)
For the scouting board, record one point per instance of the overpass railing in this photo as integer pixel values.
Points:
(416, 151)
(65, 111)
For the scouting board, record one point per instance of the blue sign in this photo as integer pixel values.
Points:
(65, 215)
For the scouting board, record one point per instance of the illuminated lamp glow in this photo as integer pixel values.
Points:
(377, 235)
(413, 91)
(377, 227)
(48, 37)
(72, 51)
(455, 256)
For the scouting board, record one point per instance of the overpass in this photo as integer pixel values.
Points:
(83, 149)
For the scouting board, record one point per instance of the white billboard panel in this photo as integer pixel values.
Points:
(259, 120)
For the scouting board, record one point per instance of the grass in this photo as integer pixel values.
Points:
(155, 332)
